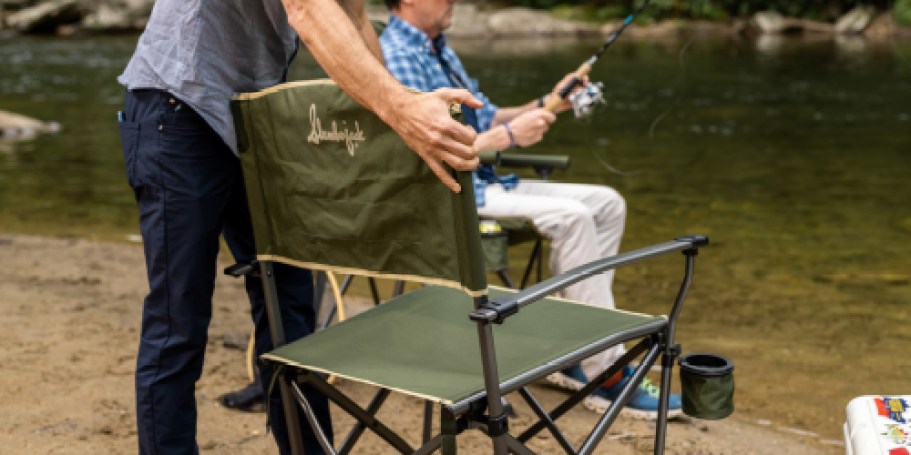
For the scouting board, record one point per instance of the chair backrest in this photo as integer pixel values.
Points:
(332, 187)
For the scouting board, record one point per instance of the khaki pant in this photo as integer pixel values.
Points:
(583, 223)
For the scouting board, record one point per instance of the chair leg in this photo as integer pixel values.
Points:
(535, 256)
(276, 329)
(588, 447)
(667, 366)
(448, 431)
(506, 279)
(324, 441)
(399, 288)
(428, 421)
(373, 291)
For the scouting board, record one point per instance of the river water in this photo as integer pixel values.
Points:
(793, 156)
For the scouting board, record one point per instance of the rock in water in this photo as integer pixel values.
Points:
(18, 126)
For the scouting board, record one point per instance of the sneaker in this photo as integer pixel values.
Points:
(642, 405)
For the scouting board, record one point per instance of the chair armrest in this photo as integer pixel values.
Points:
(498, 311)
(542, 164)
(534, 160)
(489, 157)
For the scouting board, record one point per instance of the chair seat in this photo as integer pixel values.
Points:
(423, 344)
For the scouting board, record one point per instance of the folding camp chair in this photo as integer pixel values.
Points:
(497, 234)
(333, 188)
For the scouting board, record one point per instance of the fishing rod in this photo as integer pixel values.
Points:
(585, 100)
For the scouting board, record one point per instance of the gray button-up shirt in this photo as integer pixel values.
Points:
(205, 51)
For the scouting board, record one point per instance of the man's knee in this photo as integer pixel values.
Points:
(574, 216)
(612, 204)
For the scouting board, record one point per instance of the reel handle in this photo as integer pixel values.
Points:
(554, 101)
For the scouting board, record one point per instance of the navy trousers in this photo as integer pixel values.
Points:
(189, 190)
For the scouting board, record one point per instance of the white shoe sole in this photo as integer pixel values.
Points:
(565, 382)
(600, 405)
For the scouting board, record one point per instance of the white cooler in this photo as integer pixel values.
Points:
(879, 425)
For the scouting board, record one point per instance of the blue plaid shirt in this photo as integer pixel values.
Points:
(412, 58)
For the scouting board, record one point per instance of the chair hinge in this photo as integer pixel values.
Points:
(494, 312)
(498, 425)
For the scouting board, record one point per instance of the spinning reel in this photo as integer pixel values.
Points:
(586, 100)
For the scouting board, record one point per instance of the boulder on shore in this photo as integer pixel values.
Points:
(774, 22)
(46, 17)
(117, 16)
(855, 21)
(16, 126)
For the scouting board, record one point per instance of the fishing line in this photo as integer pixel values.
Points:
(681, 76)
(585, 101)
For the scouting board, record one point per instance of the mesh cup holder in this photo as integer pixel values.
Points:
(494, 245)
(707, 385)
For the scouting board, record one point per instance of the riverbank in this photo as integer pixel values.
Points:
(474, 20)
(70, 327)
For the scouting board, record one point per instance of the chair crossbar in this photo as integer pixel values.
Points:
(576, 398)
(360, 426)
(613, 410)
(365, 416)
(545, 419)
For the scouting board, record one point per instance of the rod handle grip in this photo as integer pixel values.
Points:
(554, 102)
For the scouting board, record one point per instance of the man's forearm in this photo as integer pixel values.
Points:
(358, 15)
(494, 139)
(338, 47)
(505, 114)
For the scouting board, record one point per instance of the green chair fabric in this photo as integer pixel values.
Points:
(327, 188)
(422, 344)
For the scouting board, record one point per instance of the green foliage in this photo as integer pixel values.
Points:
(600, 10)
(902, 11)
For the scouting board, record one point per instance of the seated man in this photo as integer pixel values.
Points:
(582, 222)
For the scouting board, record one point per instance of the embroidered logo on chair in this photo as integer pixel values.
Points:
(352, 138)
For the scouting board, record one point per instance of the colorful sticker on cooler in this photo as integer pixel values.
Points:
(892, 408)
(898, 434)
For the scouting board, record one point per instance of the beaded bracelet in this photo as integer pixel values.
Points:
(512, 139)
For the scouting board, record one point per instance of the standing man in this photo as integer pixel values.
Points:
(582, 222)
(180, 151)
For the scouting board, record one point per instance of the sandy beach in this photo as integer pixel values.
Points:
(70, 329)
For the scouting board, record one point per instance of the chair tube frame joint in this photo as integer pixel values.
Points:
(498, 425)
(491, 312)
